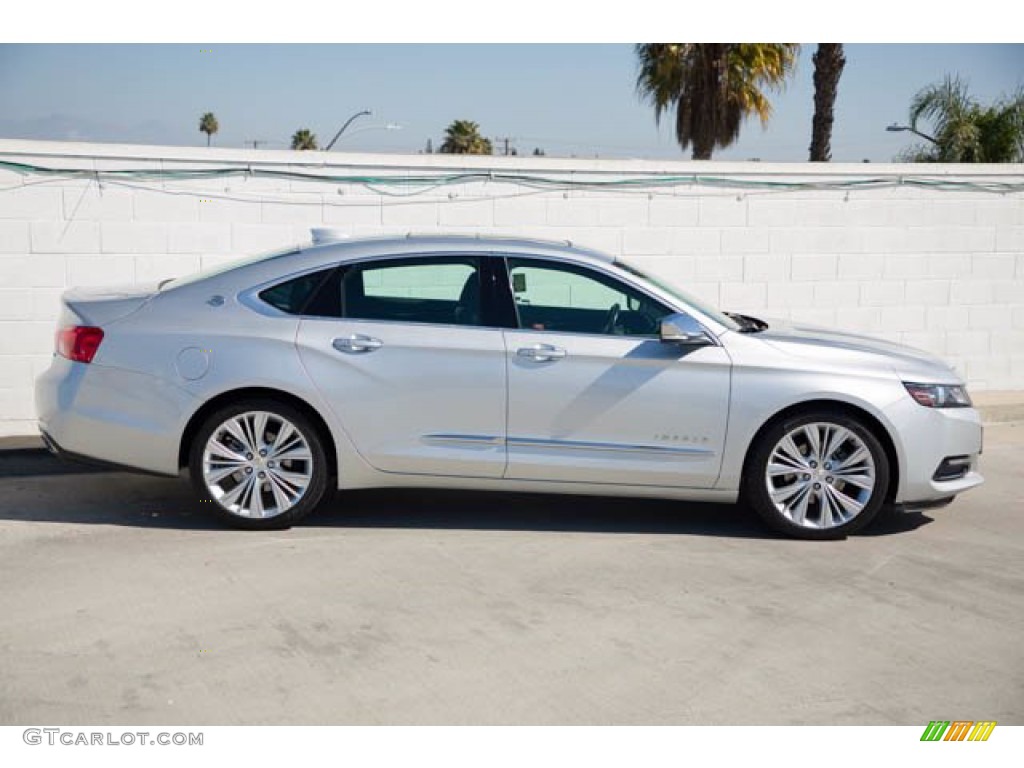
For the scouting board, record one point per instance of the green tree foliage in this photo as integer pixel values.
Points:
(463, 137)
(304, 139)
(713, 87)
(208, 124)
(963, 130)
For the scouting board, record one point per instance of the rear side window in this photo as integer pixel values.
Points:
(443, 290)
(293, 295)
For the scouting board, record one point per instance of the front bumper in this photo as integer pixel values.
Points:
(929, 436)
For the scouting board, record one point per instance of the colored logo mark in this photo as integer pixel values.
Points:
(958, 730)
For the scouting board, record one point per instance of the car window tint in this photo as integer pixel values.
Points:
(439, 290)
(567, 298)
(292, 295)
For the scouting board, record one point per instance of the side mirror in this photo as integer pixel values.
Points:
(683, 329)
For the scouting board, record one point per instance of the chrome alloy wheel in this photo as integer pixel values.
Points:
(820, 475)
(257, 464)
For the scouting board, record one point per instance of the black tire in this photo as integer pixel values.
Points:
(320, 474)
(755, 484)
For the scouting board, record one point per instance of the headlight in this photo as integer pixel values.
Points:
(939, 395)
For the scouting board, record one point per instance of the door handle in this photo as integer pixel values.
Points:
(542, 353)
(357, 342)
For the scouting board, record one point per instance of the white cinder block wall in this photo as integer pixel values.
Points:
(938, 269)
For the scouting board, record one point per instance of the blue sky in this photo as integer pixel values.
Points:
(568, 99)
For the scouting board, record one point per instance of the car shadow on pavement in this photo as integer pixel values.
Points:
(508, 511)
(41, 488)
(477, 510)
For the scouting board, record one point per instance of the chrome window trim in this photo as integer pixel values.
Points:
(249, 297)
(416, 323)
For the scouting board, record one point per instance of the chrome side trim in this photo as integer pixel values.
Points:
(663, 450)
(464, 439)
(575, 445)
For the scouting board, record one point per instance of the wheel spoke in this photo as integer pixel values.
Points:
(814, 440)
(259, 429)
(216, 475)
(798, 508)
(852, 506)
(281, 497)
(776, 469)
(787, 492)
(787, 449)
(282, 438)
(827, 509)
(299, 452)
(296, 479)
(839, 436)
(248, 427)
(232, 496)
(224, 455)
(865, 481)
(257, 498)
(858, 456)
(235, 428)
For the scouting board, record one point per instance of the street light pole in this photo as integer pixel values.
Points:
(896, 127)
(346, 125)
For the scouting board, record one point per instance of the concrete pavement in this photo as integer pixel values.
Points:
(124, 604)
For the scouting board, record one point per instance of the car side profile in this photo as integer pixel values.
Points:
(489, 363)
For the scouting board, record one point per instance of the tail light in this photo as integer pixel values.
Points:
(79, 342)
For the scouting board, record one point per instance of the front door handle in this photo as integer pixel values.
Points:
(357, 342)
(542, 353)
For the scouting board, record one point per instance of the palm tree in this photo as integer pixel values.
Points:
(463, 137)
(208, 124)
(962, 130)
(304, 139)
(828, 68)
(713, 86)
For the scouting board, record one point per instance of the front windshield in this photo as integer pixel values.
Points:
(681, 295)
(177, 282)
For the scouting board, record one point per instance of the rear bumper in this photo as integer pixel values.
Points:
(111, 416)
(53, 447)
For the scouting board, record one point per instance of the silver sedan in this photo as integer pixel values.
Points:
(495, 364)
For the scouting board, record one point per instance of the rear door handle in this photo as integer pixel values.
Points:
(357, 342)
(542, 353)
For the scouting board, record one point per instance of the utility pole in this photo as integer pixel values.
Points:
(505, 141)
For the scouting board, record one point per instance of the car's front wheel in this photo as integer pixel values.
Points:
(260, 464)
(818, 475)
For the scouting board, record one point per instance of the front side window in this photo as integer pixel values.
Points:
(443, 290)
(568, 298)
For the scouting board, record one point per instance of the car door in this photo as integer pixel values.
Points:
(594, 396)
(402, 352)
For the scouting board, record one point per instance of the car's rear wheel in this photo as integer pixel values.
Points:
(261, 464)
(817, 475)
